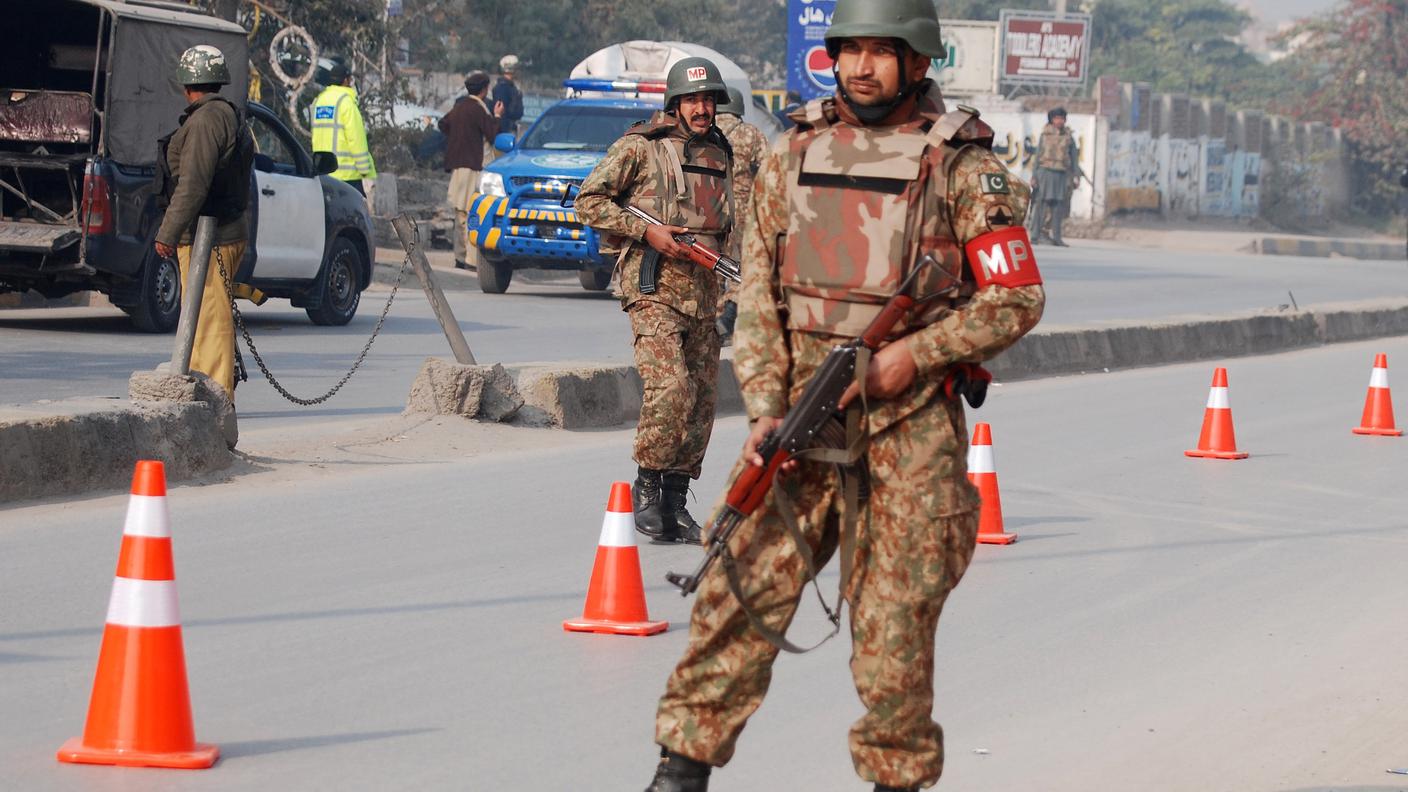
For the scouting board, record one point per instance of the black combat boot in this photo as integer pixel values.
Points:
(653, 517)
(677, 773)
(687, 530)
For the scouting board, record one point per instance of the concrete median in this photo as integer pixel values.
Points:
(80, 445)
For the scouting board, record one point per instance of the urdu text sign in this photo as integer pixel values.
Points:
(1036, 49)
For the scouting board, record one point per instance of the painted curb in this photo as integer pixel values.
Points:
(1326, 248)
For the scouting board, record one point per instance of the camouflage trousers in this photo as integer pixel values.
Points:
(678, 360)
(913, 545)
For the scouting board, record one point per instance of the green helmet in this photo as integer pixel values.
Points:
(695, 75)
(202, 65)
(915, 22)
(735, 104)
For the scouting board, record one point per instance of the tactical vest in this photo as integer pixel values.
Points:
(229, 186)
(1053, 151)
(692, 188)
(864, 208)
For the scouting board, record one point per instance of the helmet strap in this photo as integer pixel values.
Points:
(874, 114)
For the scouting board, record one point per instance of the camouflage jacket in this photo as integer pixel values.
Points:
(750, 145)
(773, 364)
(1057, 149)
(633, 172)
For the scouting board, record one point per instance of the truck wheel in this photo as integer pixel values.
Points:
(494, 274)
(341, 294)
(595, 280)
(158, 307)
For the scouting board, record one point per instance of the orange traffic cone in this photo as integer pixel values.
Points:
(616, 595)
(1217, 440)
(982, 472)
(1378, 405)
(140, 712)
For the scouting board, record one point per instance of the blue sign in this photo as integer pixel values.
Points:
(809, 68)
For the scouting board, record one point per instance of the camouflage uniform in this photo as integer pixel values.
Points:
(750, 145)
(676, 345)
(1057, 167)
(918, 537)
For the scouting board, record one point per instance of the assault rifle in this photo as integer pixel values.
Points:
(698, 253)
(814, 411)
(727, 267)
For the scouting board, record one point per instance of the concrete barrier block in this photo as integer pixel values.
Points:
(445, 387)
(158, 385)
(81, 445)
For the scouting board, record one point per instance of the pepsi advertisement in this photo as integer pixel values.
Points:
(809, 68)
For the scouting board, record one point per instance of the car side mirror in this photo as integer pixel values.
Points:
(504, 142)
(324, 162)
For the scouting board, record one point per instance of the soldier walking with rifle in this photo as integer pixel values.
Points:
(883, 260)
(673, 169)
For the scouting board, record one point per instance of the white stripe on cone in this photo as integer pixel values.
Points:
(147, 516)
(143, 603)
(618, 530)
(1379, 379)
(980, 459)
(1217, 399)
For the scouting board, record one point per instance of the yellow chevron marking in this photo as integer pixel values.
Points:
(492, 243)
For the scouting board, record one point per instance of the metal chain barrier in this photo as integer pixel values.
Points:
(249, 342)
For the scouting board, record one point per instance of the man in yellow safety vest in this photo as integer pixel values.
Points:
(338, 128)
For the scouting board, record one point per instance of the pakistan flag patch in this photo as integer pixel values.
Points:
(994, 184)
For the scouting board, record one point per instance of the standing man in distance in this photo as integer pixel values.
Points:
(750, 145)
(204, 169)
(846, 205)
(338, 128)
(469, 130)
(1057, 176)
(507, 92)
(676, 166)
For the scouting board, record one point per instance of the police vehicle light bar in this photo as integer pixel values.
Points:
(623, 86)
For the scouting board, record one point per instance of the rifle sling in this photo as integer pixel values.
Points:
(857, 439)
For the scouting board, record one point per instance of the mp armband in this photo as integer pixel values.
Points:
(1003, 257)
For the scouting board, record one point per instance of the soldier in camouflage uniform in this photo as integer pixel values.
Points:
(676, 167)
(750, 145)
(1057, 175)
(869, 183)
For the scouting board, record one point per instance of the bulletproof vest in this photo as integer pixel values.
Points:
(689, 183)
(1053, 150)
(866, 205)
(229, 187)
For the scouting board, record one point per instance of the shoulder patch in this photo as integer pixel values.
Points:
(995, 184)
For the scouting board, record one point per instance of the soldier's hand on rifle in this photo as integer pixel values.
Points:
(891, 371)
(662, 238)
(164, 250)
(761, 428)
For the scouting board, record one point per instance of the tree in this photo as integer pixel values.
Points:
(1352, 68)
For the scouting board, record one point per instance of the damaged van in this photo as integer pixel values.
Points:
(86, 89)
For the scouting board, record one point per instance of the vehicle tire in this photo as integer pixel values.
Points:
(158, 307)
(342, 292)
(495, 273)
(595, 279)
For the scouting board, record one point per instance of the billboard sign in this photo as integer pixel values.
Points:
(809, 71)
(971, 66)
(1042, 47)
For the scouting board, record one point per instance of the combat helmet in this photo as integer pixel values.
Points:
(735, 104)
(915, 22)
(202, 65)
(694, 75)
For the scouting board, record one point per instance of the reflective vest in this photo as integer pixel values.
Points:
(337, 127)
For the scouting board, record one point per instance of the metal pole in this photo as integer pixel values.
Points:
(198, 267)
(410, 240)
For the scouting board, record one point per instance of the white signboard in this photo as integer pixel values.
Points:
(971, 66)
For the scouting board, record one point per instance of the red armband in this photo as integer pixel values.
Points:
(1003, 257)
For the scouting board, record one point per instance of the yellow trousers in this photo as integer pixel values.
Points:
(213, 353)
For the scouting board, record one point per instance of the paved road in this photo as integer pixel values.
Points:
(59, 353)
(382, 612)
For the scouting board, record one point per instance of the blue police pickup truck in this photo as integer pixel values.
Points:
(518, 219)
